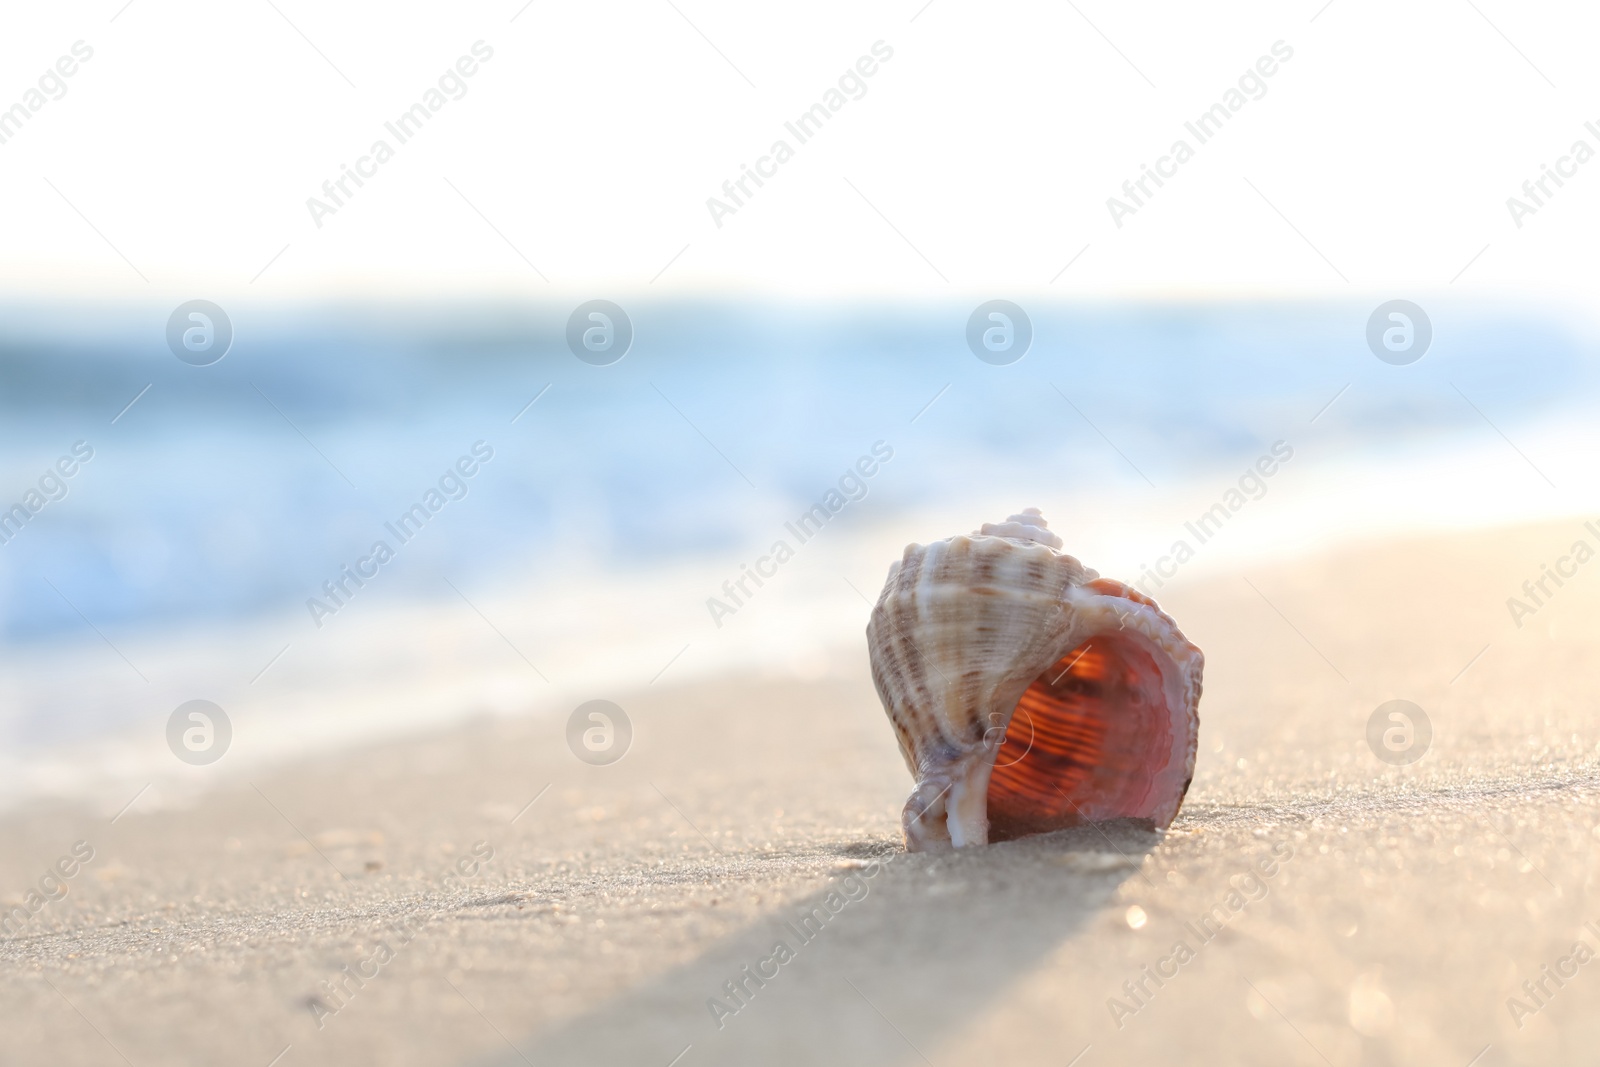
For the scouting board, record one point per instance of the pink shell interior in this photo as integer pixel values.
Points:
(1088, 742)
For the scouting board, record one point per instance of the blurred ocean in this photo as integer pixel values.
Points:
(179, 563)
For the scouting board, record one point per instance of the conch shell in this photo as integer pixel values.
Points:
(1028, 693)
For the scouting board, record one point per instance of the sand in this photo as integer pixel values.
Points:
(1331, 908)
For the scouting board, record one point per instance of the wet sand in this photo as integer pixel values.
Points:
(405, 904)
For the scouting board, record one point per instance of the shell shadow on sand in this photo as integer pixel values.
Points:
(893, 955)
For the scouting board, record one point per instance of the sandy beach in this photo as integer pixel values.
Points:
(482, 897)
(385, 389)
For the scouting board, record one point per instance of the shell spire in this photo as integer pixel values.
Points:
(1027, 692)
(1028, 525)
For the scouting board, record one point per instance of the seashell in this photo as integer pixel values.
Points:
(1028, 693)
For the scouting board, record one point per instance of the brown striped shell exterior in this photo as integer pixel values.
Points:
(1027, 693)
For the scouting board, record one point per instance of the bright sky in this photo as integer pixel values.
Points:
(980, 158)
